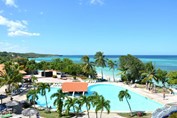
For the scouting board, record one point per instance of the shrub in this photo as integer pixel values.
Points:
(173, 115)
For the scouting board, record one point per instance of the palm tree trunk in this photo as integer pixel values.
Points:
(163, 91)
(146, 85)
(113, 75)
(34, 103)
(74, 109)
(101, 113)
(102, 73)
(96, 115)
(9, 88)
(129, 107)
(88, 113)
(154, 88)
(46, 101)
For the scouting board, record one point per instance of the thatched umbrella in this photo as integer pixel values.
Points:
(12, 103)
(29, 112)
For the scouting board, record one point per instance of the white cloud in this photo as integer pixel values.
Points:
(16, 28)
(10, 3)
(22, 33)
(94, 2)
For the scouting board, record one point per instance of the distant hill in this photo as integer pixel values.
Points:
(24, 55)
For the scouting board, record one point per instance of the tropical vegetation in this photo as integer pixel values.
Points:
(10, 76)
(124, 94)
(100, 61)
(59, 97)
(43, 88)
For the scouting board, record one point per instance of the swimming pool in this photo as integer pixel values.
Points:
(110, 92)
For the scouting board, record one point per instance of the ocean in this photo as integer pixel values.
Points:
(164, 62)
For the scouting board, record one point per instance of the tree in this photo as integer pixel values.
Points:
(95, 97)
(149, 74)
(124, 94)
(22, 62)
(11, 75)
(112, 65)
(172, 78)
(87, 101)
(32, 95)
(42, 87)
(59, 99)
(101, 103)
(78, 106)
(43, 65)
(70, 102)
(87, 66)
(162, 76)
(132, 68)
(31, 66)
(100, 61)
(56, 64)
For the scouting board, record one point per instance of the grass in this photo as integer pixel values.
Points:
(127, 115)
(48, 115)
(52, 114)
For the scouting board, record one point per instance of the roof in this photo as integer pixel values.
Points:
(74, 87)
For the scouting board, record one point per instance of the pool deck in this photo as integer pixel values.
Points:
(158, 97)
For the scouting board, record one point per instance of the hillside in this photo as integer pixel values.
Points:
(5, 56)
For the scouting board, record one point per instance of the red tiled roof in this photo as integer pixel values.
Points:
(74, 87)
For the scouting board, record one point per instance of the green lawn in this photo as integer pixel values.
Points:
(50, 115)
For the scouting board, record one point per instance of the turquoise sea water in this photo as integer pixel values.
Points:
(110, 92)
(165, 62)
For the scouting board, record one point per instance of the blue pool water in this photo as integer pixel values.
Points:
(110, 92)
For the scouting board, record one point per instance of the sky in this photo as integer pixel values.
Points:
(84, 27)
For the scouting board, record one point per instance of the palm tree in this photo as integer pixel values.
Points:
(112, 65)
(94, 98)
(162, 76)
(149, 74)
(78, 106)
(123, 73)
(100, 61)
(32, 95)
(11, 75)
(124, 94)
(59, 98)
(70, 102)
(31, 66)
(42, 87)
(88, 67)
(87, 101)
(101, 103)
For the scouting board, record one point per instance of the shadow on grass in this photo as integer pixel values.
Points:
(136, 114)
